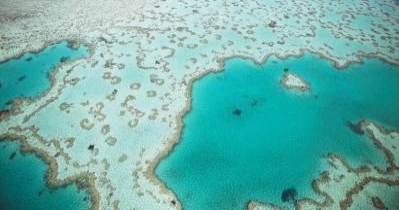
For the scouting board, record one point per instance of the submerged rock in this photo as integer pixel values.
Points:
(21, 78)
(254, 102)
(63, 59)
(355, 127)
(237, 112)
(289, 195)
(9, 102)
(12, 156)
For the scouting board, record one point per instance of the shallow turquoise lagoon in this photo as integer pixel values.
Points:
(22, 184)
(28, 75)
(248, 138)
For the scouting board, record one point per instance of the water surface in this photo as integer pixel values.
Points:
(23, 186)
(247, 137)
(28, 75)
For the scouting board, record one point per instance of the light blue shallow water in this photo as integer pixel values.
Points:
(22, 184)
(279, 139)
(28, 76)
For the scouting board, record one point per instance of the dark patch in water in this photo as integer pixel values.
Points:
(12, 156)
(286, 69)
(355, 127)
(29, 59)
(237, 112)
(64, 58)
(173, 202)
(8, 103)
(91, 147)
(289, 195)
(254, 102)
(21, 78)
(1, 85)
(157, 62)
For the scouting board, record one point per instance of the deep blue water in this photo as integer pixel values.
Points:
(22, 182)
(28, 76)
(277, 139)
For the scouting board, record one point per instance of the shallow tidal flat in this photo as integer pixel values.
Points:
(248, 137)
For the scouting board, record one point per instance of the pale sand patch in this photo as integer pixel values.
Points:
(293, 81)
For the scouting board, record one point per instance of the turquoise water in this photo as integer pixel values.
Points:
(248, 138)
(22, 184)
(28, 76)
